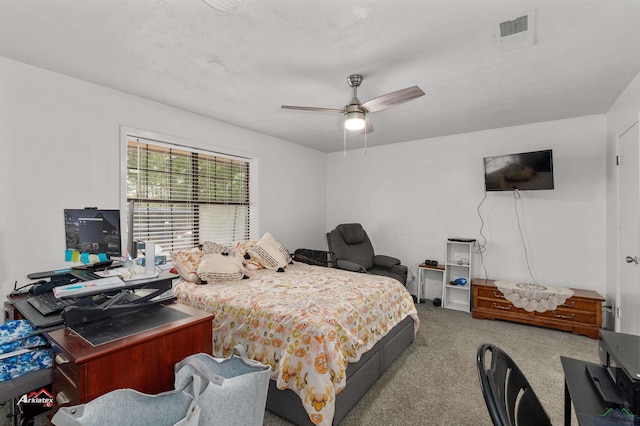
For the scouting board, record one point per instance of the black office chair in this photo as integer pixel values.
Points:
(510, 399)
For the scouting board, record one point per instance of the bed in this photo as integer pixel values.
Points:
(328, 334)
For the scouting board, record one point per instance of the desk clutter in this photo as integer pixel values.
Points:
(74, 296)
(95, 291)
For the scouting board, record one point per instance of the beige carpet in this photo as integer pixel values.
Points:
(435, 381)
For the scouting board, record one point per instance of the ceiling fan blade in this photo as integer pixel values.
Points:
(393, 98)
(368, 127)
(301, 108)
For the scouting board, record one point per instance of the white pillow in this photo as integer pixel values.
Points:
(270, 253)
(219, 267)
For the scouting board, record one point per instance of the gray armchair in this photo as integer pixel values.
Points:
(354, 252)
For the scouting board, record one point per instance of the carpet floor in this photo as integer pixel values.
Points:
(435, 381)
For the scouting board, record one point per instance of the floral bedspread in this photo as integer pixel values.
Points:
(307, 323)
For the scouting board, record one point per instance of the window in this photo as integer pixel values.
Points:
(184, 196)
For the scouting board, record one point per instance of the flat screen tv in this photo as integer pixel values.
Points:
(523, 171)
(93, 231)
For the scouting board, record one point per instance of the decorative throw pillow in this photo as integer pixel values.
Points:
(186, 263)
(209, 247)
(270, 253)
(240, 250)
(267, 236)
(219, 267)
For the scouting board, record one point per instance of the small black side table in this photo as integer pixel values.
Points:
(579, 390)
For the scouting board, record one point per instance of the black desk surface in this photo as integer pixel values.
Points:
(586, 400)
(119, 326)
(30, 313)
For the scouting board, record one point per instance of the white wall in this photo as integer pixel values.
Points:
(60, 139)
(624, 112)
(411, 197)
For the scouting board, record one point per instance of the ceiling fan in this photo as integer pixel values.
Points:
(355, 113)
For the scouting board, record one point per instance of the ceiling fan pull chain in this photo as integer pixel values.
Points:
(344, 132)
(365, 140)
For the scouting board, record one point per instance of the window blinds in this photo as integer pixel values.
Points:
(184, 196)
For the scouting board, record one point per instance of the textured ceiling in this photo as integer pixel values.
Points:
(240, 66)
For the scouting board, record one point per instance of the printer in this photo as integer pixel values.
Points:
(619, 355)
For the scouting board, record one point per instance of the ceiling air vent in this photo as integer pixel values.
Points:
(515, 33)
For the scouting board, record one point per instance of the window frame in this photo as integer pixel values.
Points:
(127, 133)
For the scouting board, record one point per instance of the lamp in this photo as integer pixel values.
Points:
(354, 120)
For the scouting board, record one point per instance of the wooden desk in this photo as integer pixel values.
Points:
(579, 389)
(143, 361)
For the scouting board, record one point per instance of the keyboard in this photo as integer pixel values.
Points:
(47, 303)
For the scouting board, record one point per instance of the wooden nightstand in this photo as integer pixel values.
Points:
(143, 361)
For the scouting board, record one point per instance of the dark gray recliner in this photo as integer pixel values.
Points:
(354, 252)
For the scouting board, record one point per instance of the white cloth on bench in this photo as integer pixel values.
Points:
(533, 297)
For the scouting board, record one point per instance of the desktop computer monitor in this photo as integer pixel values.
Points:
(93, 231)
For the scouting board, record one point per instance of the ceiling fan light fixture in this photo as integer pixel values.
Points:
(355, 112)
(354, 120)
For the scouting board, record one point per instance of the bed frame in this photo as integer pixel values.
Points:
(360, 377)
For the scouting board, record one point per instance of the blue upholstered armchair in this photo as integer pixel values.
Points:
(354, 252)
